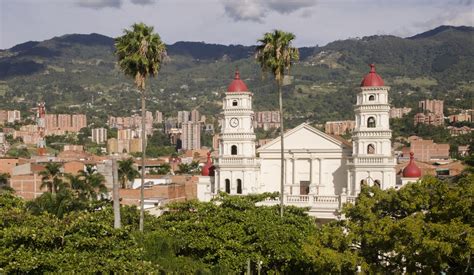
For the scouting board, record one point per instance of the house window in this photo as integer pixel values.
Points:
(234, 103)
(227, 186)
(371, 98)
(370, 149)
(371, 122)
(233, 150)
(239, 186)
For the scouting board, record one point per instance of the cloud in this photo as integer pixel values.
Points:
(99, 4)
(143, 2)
(449, 17)
(257, 10)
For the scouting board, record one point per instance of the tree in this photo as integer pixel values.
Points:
(425, 227)
(127, 172)
(140, 55)
(51, 177)
(93, 182)
(276, 54)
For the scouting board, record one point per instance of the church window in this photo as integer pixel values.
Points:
(233, 150)
(371, 122)
(371, 98)
(239, 186)
(370, 149)
(377, 183)
(234, 103)
(227, 186)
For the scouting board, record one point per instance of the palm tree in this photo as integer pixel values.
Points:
(275, 54)
(93, 182)
(140, 55)
(51, 177)
(127, 172)
(77, 185)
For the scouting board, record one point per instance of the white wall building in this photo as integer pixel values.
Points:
(322, 171)
(99, 135)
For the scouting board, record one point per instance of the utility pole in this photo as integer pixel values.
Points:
(115, 193)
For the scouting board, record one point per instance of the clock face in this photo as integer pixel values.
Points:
(234, 122)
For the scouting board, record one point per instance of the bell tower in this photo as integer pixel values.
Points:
(237, 167)
(372, 161)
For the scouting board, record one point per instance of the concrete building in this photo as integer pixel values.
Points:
(267, 120)
(426, 150)
(399, 112)
(158, 117)
(339, 127)
(99, 135)
(191, 135)
(463, 116)
(195, 116)
(429, 118)
(432, 106)
(183, 117)
(456, 131)
(61, 123)
(9, 116)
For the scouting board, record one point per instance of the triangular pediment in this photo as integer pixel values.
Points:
(306, 137)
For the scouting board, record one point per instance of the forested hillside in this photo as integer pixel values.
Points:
(78, 73)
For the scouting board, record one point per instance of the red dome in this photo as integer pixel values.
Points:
(411, 170)
(372, 78)
(206, 169)
(237, 84)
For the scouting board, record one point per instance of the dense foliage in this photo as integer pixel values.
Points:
(425, 227)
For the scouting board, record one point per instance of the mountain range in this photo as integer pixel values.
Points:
(78, 73)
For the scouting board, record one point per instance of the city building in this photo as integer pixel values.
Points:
(432, 106)
(9, 116)
(339, 127)
(399, 112)
(463, 116)
(195, 117)
(429, 118)
(99, 135)
(158, 117)
(322, 171)
(191, 135)
(267, 120)
(456, 131)
(57, 124)
(426, 150)
(183, 117)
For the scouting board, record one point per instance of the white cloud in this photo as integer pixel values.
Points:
(99, 4)
(143, 2)
(256, 10)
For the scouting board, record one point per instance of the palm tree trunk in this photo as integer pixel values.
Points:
(142, 186)
(115, 193)
(282, 153)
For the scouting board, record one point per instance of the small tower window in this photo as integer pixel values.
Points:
(227, 186)
(233, 150)
(371, 98)
(239, 186)
(234, 103)
(370, 149)
(371, 122)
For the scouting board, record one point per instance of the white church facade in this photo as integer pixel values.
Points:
(321, 171)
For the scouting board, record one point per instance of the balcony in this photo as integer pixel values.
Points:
(231, 161)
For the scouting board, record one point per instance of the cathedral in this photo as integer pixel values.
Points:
(322, 171)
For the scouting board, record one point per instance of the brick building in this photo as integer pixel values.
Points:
(399, 112)
(339, 127)
(429, 118)
(426, 150)
(267, 120)
(432, 106)
(191, 135)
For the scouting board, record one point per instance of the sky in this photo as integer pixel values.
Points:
(314, 22)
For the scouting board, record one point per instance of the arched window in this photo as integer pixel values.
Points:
(377, 183)
(371, 122)
(239, 186)
(370, 149)
(234, 103)
(371, 98)
(227, 186)
(233, 150)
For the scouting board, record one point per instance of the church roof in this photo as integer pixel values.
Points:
(372, 78)
(411, 170)
(306, 137)
(237, 85)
